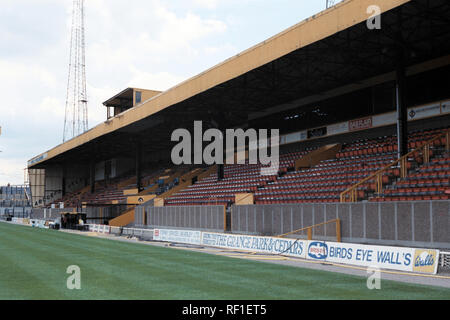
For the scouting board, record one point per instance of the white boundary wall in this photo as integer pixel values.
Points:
(99, 228)
(394, 258)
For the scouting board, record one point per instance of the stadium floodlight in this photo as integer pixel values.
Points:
(76, 113)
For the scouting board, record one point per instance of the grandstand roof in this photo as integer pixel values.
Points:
(326, 54)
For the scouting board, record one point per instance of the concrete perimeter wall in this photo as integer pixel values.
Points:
(49, 214)
(94, 215)
(207, 218)
(19, 212)
(415, 223)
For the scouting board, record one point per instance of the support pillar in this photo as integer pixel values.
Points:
(221, 167)
(92, 176)
(220, 172)
(63, 187)
(400, 91)
(138, 159)
(402, 113)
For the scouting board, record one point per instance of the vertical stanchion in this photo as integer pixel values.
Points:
(309, 233)
(378, 183)
(447, 141)
(225, 219)
(403, 167)
(338, 230)
(426, 153)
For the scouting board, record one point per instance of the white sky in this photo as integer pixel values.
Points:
(152, 44)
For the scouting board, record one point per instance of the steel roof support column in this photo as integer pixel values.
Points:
(92, 176)
(64, 174)
(402, 116)
(400, 92)
(220, 172)
(221, 167)
(138, 158)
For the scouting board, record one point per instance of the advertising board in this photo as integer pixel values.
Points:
(261, 244)
(179, 236)
(395, 258)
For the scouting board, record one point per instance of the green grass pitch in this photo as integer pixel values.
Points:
(33, 264)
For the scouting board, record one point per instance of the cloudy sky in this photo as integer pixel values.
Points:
(152, 44)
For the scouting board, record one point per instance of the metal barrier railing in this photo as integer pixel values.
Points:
(351, 194)
(309, 229)
(444, 260)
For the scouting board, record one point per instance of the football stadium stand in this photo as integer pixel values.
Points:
(363, 117)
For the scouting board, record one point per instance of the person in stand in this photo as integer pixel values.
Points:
(64, 221)
(57, 223)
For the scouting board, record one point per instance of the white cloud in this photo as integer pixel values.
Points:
(179, 31)
(210, 4)
(154, 81)
(96, 97)
(14, 72)
(137, 46)
(49, 106)
(11, 171)
(157, 43)
(227, 49)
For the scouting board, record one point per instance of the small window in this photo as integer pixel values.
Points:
(138, 97)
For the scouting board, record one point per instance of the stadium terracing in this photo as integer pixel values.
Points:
(363, 115)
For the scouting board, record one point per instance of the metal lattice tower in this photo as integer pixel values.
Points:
(330, 3)
(76, 114)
